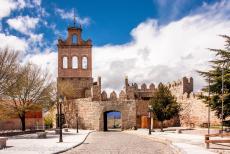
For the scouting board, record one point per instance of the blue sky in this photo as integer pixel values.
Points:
(149, 41)
(110, 22)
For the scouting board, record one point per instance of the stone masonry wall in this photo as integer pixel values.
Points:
(195, 111)
(91, 113)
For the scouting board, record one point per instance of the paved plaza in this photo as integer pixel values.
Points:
(30, 144)
(119, 143)
(189, 141)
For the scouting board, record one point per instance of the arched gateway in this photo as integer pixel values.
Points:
(110, 118)
(91, 114)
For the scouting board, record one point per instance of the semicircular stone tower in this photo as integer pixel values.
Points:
(75, 61)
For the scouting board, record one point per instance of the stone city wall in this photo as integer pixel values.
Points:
(195, 111)
(91, 113)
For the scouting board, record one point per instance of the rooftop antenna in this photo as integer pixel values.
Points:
(74, 18)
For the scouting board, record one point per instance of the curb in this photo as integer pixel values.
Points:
(162, 140)
(74, 145)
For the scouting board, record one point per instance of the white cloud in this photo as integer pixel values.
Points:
(6, 6)
(70, 15)
(47, 61)
(162, 53)
(13, 42)
(23, 24)
(157, 53)
(26, 25)
(37, 2)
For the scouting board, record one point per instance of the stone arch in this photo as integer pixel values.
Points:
(126, 108)
(103, 96)
(105, 125)
(143, 86)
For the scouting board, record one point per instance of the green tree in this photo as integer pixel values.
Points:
(220, 64)
(163, 104)
(49, 120)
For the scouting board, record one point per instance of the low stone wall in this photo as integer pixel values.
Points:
(13, 133)
(11, 124)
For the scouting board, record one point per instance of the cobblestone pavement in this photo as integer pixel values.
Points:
(119, 143)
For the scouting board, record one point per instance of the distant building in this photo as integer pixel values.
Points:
(34, 120)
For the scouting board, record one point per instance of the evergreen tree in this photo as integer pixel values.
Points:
(163, 104)
(220, 65)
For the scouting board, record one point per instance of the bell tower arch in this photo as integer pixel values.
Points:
(75, 60)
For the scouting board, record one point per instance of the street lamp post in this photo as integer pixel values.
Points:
(77, 121)
(209, 105)
(113, 121)
(149, 122)
(61, 99)
(222, 100)
(57, 117)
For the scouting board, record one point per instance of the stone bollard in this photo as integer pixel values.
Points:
(178, 131)
(65, 129)
(41, 134)
(207, 141)
(57, 131)
(3, 142)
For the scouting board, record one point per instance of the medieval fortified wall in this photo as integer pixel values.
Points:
(91, 103)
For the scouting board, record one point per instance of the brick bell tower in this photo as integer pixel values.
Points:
(75, 61)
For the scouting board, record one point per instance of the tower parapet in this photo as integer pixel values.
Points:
(180, 87)
(134, 92)
(96, 90)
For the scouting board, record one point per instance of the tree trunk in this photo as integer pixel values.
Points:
(161, 126)
(23, 121)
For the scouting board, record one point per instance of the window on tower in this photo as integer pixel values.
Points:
(75, 62)
(65, 62)
(74, 39)
(84, 62)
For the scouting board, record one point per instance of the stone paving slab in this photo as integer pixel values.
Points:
(186, 143)
(119, 143)
(29, 144)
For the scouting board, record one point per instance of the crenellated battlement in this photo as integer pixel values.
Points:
(143, 91)
(142, 87)
(134, 91)
(180, 87)
(96, 90)
(113, 96)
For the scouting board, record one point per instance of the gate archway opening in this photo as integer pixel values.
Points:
(112, 120)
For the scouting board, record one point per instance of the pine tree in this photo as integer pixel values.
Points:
(220, 65)
(163, 104)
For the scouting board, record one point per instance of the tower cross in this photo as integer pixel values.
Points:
(74, 18)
